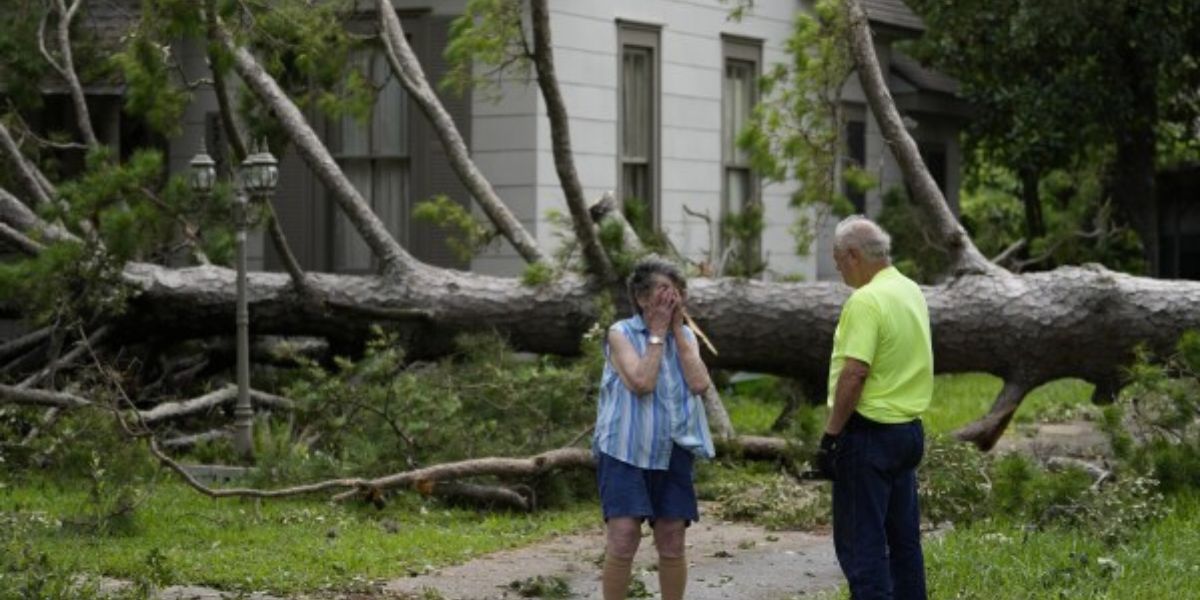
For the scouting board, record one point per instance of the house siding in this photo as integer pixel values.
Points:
(509, 134)
(689, 141)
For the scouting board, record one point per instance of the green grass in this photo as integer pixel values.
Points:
(957, 400)
(279, 545)
(960, 399)
(1002, 560)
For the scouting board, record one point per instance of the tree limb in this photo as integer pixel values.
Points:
(18, 240)
(24, 342)
(187, 441)
(408, 70)
(718, 417)
(238, 144)
(33, 397)
(396, 261)
(26, 173)
(560, 138)
(173, 410)
(965, 257)
(67, 70)
(1008, 252)
(16, 214)
(66, 359)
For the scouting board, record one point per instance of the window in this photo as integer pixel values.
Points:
(934, 155)
(740, 189)
(855, 157)
(374, 155)
(638, 118)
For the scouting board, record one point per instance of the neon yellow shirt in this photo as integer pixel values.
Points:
(886, 325)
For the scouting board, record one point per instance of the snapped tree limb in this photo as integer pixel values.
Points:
(65, 67)
(408, 70)
(395, 260)
(238, 144)
(560, 138)
(965, 257)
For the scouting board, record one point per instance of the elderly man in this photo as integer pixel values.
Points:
(880, 382)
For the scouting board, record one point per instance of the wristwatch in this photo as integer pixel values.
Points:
(654, 339)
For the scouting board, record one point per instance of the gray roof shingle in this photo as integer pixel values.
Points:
(893, 12)
(920, 76)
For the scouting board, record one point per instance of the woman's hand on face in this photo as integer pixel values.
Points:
(661, 313)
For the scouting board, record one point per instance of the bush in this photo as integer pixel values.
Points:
(954, 483)
(1154, 425)
(380, 413)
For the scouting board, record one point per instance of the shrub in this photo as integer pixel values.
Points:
(1154, 425)
(954, 483)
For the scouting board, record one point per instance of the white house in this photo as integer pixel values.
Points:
(654, 90)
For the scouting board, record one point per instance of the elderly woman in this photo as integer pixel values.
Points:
(649, 427)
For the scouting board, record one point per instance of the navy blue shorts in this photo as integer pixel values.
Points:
(629, 491)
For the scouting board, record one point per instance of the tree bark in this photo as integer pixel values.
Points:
(163, 412)
(560, 138)
(27, 397)
(173, 410)
(19, 241)
(1071, 322)
(26, 173)
(240, 151)
(395, 260)
(65, 67)
(408, 70)
(965, 257)
(1035, 226)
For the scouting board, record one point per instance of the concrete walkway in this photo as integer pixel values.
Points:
(727, 561)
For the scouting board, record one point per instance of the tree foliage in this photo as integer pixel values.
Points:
(796, 130)
(1056, 84)
(486, 42)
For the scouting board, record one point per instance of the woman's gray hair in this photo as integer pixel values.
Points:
(864, 235)
(643, 274)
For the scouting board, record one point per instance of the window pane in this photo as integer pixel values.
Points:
(390, 114)
(391, 194)
(350, 252)
(354, 135)
(637, 109)
(738, 102)
(634, 182)
(856, 156)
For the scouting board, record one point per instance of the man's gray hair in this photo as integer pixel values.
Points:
(864, 235)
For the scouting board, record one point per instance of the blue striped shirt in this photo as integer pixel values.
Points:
(640, 430)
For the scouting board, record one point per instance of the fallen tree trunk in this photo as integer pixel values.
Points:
(1027, 329)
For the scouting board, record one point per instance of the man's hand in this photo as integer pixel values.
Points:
(826, 455)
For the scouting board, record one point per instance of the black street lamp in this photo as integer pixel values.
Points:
(256, 181)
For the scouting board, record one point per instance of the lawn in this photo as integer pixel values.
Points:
(308, 544)
(1001, 560)
(957, 400)
(280, 545)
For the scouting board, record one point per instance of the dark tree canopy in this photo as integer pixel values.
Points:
(1053, 82)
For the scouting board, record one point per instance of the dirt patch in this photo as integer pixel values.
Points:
(1076, 439)
(726, 561)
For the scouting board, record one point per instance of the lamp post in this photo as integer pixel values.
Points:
(256, 180)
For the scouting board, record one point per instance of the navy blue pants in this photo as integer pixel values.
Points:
(876, 520)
